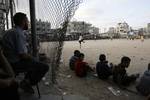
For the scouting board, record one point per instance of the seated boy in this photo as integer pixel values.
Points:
(120, 75)
(8, 85)
(73, 59)
(144, 85)
(81, 68)
(102, 68)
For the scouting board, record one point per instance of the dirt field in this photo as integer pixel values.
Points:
(92, 87)
(96, 89)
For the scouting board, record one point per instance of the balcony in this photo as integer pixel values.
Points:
(2, 7)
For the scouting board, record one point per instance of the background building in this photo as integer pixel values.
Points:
(123, 29)
(112, 32)
(148, 28)
(4, 6)
(142, 31)
(94, 30)
(78, 28)
(43, 27)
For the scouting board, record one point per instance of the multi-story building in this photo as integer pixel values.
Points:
(123, 28)
(148, 28)
(94, 30)
(142, 31)
(112, 32)
(78, 28)
(4, 6)
(43, 27)
(2, 23)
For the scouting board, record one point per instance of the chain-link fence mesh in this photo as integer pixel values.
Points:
(52, 17)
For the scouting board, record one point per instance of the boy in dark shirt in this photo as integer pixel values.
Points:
(102, 68)
(143, 86)
(120, 75)
(73, 59)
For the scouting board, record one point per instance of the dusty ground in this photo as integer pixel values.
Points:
(91, 87)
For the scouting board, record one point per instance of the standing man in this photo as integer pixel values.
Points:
(80, 40)
(15, 50)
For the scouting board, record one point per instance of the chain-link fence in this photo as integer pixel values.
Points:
(52, 17)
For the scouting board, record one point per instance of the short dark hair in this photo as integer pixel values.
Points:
(125, 59)
(18, 18)
(81, 55)
(102, 57)
(76, 52)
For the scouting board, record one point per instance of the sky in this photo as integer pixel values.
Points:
(104, 13)
(107, 13)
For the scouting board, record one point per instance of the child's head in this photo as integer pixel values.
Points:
(102, 57)
(76, 53)
(81, 56)
(125, 61)
(149, 66)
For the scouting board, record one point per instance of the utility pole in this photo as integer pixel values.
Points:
(33, 28)
(11, 12)
(7, 24)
